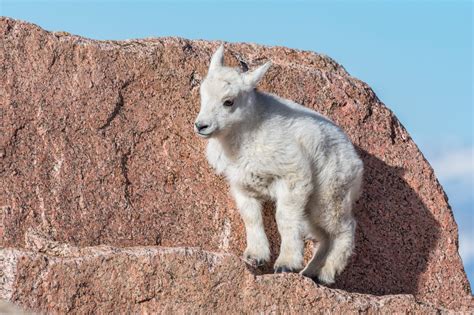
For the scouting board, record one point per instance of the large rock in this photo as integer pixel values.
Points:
(174, 280)
(97, 147)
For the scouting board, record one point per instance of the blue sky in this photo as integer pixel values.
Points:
(416, 55)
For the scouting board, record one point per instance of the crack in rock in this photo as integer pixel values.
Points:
(115, 112)
(124, 169)
(118, 106)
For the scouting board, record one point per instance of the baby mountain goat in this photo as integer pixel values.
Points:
(272, 148)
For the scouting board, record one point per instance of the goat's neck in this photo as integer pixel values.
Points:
(233, 143)
(242, 134)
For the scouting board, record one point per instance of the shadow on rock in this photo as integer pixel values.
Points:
(395, 234)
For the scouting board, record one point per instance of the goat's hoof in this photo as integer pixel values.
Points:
(309, 274)
(254, 262)
(282, 269)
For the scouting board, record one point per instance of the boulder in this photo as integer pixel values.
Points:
(97, 149)
(173, 280)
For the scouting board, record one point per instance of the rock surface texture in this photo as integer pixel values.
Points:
(107, 203)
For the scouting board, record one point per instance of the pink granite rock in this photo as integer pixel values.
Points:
(174, 280)
(97, 147)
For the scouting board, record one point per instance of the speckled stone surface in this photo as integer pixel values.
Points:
(174, 280)
(97, 147)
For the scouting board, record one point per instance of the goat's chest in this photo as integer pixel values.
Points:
(254, 181)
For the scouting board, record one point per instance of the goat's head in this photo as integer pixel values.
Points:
(226, 96)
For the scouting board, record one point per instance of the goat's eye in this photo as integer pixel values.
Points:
(228, 103)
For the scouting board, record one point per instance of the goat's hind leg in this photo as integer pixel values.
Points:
(342, 232)
(340, 225)
(335, 233)
(341, 247)
(320, 252)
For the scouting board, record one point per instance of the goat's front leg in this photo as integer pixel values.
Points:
(290, 216)
(250, 208)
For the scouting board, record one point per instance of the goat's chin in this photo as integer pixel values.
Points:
(207, 135)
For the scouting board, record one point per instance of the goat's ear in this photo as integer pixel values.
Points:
(217, 59)
(252, 78)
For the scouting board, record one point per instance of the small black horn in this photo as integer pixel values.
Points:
(243, 66)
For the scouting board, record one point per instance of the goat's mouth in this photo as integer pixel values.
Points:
(204, 134)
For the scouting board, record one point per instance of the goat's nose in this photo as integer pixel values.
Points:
(200, 126)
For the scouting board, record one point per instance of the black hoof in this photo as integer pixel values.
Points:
(260, 262)
(254, 262)
(283, 269)
(311, 276)
(315, 280)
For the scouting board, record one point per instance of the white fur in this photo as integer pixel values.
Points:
(272, 148)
